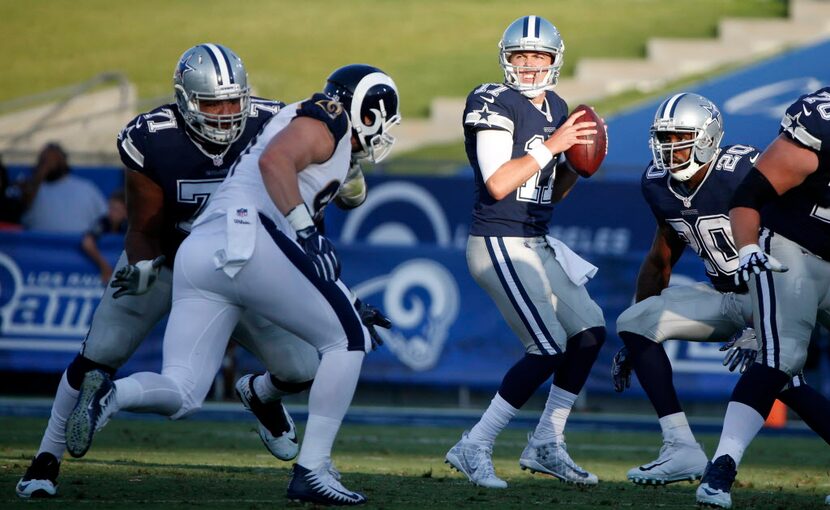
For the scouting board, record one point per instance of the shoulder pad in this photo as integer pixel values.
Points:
(807, 121)
(485, 109)
(325, 109)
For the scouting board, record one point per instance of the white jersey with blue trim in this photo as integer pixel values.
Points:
(701, 218)
(318, 182)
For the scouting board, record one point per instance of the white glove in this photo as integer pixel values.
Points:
(753, 260)
(741, 350)
(352, 192)
(136, 279)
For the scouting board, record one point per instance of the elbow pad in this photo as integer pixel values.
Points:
(755, 191)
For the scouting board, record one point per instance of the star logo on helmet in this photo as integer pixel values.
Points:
(713, 112)
(185, 67)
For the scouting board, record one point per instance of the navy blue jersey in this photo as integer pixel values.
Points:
(157, 144)
(527, 211)
(803, 213)
(701, 218)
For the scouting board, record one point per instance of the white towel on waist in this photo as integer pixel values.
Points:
(579, 270)
(241, 238)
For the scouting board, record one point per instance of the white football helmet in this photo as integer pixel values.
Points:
(212, 72)
(531, 33)
(686, 113)
(371, 99)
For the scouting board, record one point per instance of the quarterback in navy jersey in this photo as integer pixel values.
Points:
(780, 217)
(689, 186)
(176, 156)
(515, 134)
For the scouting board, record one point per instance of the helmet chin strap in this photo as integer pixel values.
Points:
(687, 173)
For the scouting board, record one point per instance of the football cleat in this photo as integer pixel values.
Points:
(475, 460)
(552, 458)
(40, 479)
(321, 486)
(276, 428)
(677, 462)
(91, 413)
(717, 482)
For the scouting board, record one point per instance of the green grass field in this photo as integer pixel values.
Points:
(431, 47)
(199, 464)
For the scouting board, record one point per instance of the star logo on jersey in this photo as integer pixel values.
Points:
(482, 116)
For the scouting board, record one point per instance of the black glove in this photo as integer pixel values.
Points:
(371, 317)
(321, 252)
(742, 349)
(136, 279)
(621, 370)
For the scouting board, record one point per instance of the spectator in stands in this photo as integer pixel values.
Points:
(113, 222)
(11, 202)
(57, 201)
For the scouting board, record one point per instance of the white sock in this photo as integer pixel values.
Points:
(493, 421)
(54, 438)
(740, 425)
(676, 428)
(551, 427)
(265, 390)
(147, 392)
(328, 400)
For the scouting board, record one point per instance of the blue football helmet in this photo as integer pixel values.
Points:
(531, 33)
(370, 98)
(212, 72)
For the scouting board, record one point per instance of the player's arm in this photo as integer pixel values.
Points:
(306, 140)
(303, 142)
(564, 181)
(782, 166)
(145, 217)
(352, 192)
(656, 269)
(503, 175)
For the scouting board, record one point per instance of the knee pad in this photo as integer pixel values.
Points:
(80, 366)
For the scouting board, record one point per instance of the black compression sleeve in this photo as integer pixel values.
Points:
(755, 191)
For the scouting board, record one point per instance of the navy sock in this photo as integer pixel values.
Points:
(759, 387)
(811, 406)
(579, 357)
(78, 368)
(653, 369)
(526, 376)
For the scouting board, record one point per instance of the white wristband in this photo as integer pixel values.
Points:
(748, 250)
(542, 155)
(299, 217)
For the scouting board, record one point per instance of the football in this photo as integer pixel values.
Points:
(587, 158)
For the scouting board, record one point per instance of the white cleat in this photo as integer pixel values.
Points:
(552, 458)
(716, 484)
(40, 479)
(677, 462)
(475, 460)
(275, 427)
(321, 486)
(92, 411)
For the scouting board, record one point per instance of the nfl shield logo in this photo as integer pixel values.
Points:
(242, 212)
